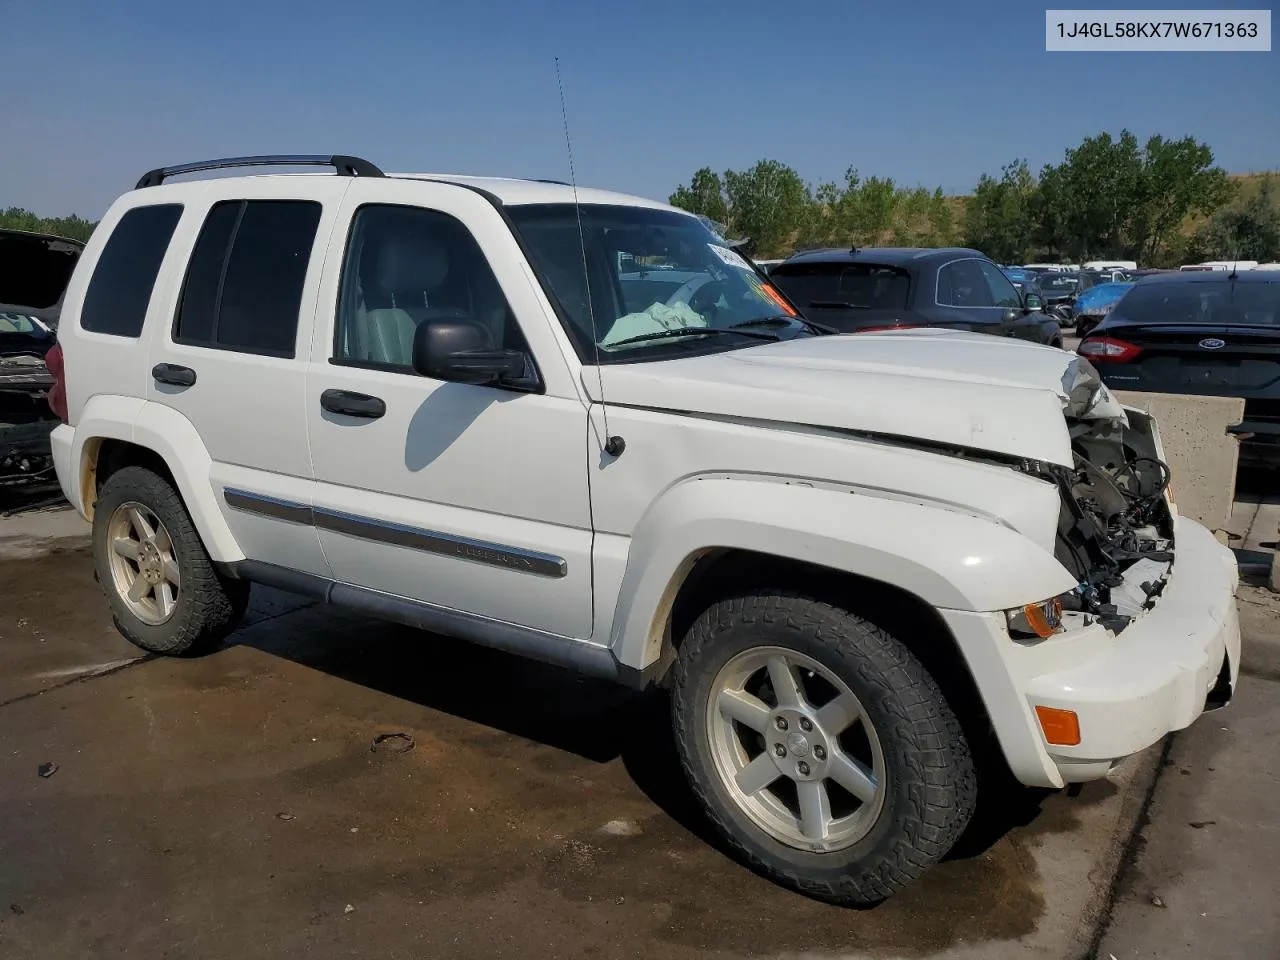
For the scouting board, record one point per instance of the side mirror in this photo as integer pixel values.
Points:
(462, 352)
(1032, 302)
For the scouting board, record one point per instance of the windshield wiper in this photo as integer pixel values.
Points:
(692, 332)
(837, 305)
(784, 320)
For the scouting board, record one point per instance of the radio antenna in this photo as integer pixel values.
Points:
(612, 445)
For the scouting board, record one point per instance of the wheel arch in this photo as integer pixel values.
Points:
(114, 432)
(944, 557)
(720, 574)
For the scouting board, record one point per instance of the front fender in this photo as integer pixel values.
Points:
(173, 437)
(948, 559)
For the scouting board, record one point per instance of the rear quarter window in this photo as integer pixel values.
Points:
(124, 276)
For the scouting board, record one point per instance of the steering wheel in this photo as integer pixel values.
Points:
(700, 293)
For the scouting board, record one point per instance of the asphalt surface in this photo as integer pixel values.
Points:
(1205, 878)
(234, 805)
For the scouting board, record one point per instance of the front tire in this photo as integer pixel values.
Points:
(165, 594)
(819, 746)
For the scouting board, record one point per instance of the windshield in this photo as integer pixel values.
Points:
(1058, 282)
(843, 286)
(20, 323)
(657, 283)
(1221, 302)
(1091, 278)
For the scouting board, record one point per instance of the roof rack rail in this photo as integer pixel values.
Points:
(345, 166)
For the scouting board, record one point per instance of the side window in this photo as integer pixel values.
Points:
(406, 266)
(244, 284)
(125, 274)
(965, 285)
(1003, 292)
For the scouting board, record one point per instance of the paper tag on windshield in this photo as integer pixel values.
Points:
(731, 257)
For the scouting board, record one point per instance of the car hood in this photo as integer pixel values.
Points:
(35, 269)
(943, 387)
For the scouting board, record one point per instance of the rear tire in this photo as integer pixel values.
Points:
(165, 594)
(893, 789)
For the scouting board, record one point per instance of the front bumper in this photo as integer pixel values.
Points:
(1128, 690)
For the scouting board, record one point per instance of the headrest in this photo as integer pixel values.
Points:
(408, 263)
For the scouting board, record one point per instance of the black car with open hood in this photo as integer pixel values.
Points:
(34, 272)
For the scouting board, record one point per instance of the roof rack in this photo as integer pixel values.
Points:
(345, 166)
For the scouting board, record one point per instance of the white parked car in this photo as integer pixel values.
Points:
(865, 566)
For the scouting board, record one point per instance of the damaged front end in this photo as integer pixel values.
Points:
(1115, 526)
(26, 420)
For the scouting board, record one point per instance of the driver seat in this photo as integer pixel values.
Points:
(402, 276)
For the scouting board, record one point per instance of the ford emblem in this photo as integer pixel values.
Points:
(1213, 343)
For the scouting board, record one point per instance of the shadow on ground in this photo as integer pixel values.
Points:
(234, 801)
(987, 889)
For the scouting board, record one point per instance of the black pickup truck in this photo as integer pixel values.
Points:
(34, 272)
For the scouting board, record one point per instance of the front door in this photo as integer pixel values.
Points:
(1014, 317)
(467, 497)
(963, 289)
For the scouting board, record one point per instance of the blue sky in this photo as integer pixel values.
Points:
(933, 93)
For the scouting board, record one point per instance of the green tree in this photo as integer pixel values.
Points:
(767, 203)
(912, 226)
(1248, 230)
(998, 217)
(73, 227)
(1178, 179)
(1094, 193)
(704, 195)
(941, 220)
(873, 209)
(821, 225)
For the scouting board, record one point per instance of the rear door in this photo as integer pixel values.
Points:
(964, 293)
(233, 356)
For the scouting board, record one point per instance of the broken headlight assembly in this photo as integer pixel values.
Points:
(1037, 621)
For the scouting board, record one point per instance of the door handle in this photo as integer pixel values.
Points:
(352, 404)
(173, 373)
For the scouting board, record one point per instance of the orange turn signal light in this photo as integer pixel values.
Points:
(1044, 619)
(1061, 727)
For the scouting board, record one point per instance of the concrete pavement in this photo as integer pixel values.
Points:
(1206, 878)
(234, 805)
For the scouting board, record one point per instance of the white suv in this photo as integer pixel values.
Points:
(871, 569)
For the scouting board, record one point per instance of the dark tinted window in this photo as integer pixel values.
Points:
(843, 286)
(120, 289)
(244, 284)
(406, 266)
(962, 284)
(1003, 292)
(1058, 284)
(1214, 302)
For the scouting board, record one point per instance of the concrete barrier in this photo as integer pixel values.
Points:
(1201, 454)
